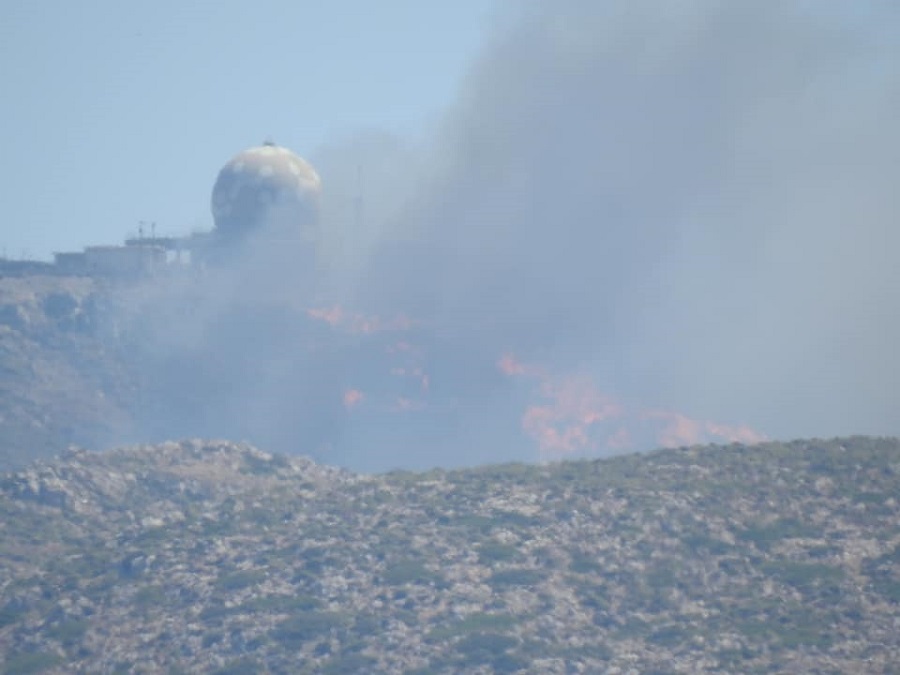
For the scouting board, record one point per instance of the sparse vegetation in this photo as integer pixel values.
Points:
(217, 558)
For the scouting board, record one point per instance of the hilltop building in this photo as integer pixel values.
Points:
(265, 202)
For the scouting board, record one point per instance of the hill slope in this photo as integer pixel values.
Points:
(60, 381)
(216, 557)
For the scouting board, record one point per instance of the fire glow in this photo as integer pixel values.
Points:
(574, 417)
(358, 323)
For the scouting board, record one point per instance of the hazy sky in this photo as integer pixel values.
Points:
(613, 224)
(691, 207)
(119, 112)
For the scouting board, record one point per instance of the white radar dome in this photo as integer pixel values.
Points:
(267, 189)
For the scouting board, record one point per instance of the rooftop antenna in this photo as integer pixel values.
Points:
(141, 224)
(153, 230)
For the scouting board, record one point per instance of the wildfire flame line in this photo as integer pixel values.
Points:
(575, 417)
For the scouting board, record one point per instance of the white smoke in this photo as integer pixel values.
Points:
(675, 215)
(693, 203)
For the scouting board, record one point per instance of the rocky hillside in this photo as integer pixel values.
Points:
(61, 380)
(219, 558)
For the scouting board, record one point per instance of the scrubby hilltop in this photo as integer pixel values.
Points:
(217, 557)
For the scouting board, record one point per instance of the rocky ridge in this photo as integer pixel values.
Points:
(207, 556)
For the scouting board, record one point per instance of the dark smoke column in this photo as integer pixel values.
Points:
(267, 197)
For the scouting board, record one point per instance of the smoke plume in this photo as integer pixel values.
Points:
(639, 223)
(692, 206)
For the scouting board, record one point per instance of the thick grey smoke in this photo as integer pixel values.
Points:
(635, 213)
(694, 203)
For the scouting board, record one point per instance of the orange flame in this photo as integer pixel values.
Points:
(358, 323)
(573, 417)
(566, 422)
(330, 315)
(509, 365)
(681, 430)
(352, 397)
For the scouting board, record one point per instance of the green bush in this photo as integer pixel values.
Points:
(280, 604)
(516, 577)
(68, 632)
(764, 535)
(238, 580)
(244, 666)
(9, 614)
(409, 572)
(349, 663)
(803, 574)
(258, 466)
(491, 552)
(474, 523)
(584, 564)
(888, 589)
(31, 662)
(514, 519)
(672, 635)
(293, 632)
(701, 541)
(483, 647)
(478, 622)
(509, 663)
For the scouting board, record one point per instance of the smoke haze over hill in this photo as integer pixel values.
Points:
(638, 225)
(693, 208)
